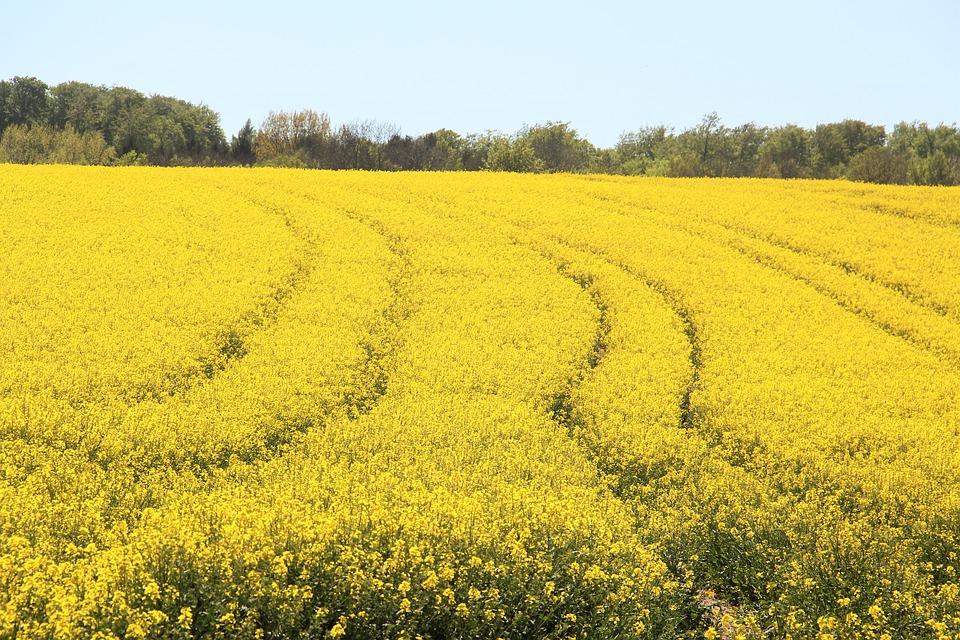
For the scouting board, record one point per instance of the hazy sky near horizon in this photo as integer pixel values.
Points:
(605, 67)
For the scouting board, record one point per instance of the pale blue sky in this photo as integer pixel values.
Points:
(603, 66)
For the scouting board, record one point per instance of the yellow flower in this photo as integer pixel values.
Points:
(431, 581)
(185, 619)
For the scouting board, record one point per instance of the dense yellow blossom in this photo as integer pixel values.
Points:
(269, 403)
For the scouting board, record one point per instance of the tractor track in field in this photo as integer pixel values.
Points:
(380, 342)
(561, 406)
(228, 346)
(688, 412)
(705, 606)
(945, 354)
(903, 214)
(903, 291)
(562, 409)
(231, 343)
(383, 339)
(949, 356)
(377, 345)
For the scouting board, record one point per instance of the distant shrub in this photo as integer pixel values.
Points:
(40, 144)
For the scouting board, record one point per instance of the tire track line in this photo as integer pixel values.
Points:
(566, 411)
(377, 344)
(902, 289)
(938, 314)
(945, 352)
(697, 458)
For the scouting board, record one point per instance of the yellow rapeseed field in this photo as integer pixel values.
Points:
(244, 403)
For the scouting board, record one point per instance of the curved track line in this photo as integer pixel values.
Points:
(564, 410)
(948, 355)
(900, 288)
(231, 343)
(646, 491)
(381, 342)
(561, 404)
(378, 344)
(885, 210)
(688, 412)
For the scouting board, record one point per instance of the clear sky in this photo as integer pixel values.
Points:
(603, 66)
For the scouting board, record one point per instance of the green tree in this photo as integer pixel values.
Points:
(6, 88)
(476, 149)
(882, 165)
(22, 144)
(639, 150)
(710, 134)
(605, 161)
(557, 147)
(186, 133)
(448, 150)
(26, 102)
(934, 153)
(122, 112)
(135, 131)
(167, 139)
(511, 154)
(935, 169)
(292, 138)
(241, 145)
(785, 153)
(833, 145)
(440, 150)
(919, 139)
(705, 150)
(74, 147)
(78, 105)
(744, 149)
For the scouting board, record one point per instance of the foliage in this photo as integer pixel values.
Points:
(785, 153)
(284, 134)
(512, 154)
(881, 165)
(242, 144)
(557, 147)
(39, 144)
(637, 150)
(934, 153)
(162, 130)
(24, 102)
(834, 145)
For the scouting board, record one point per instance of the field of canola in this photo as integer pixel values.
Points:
(279, 404)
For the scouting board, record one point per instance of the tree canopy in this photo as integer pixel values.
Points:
(160, 129)
(83, 123)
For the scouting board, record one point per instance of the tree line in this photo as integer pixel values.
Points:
(81, 123)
